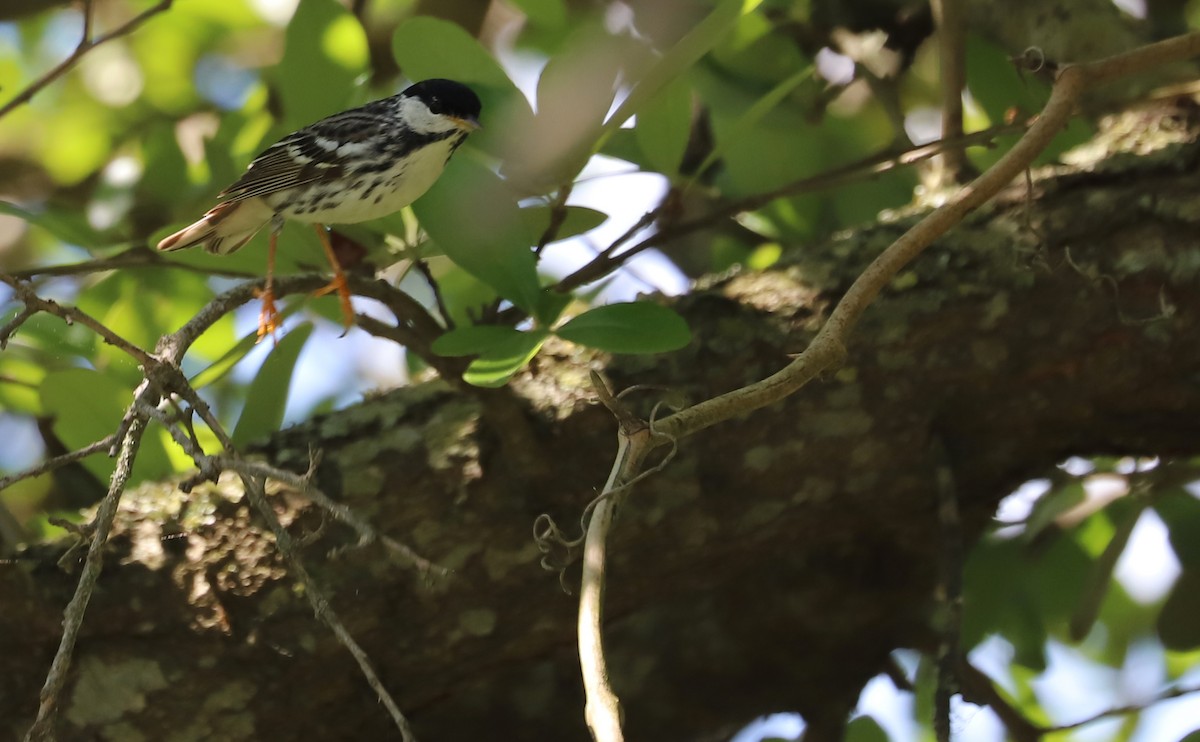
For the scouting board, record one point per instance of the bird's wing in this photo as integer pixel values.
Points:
(317, 153)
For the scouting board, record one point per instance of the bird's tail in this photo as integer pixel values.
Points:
(225, 228)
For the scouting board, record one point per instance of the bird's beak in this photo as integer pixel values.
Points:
(468, 124)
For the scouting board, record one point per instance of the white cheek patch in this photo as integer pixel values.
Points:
(421, 120)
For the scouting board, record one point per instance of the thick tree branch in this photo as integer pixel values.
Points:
(828, 347)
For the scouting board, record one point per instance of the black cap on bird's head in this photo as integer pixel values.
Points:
(447, 98)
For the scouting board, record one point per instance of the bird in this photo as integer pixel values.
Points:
(356, 165)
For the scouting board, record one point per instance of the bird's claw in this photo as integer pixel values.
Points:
(268, 318)
(338, 284)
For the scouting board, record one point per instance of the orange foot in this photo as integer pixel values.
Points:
(338, 284)
(268, 318)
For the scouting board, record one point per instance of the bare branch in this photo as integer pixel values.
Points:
(254, 483)
(558, 215)
(303, 484)
(256, 493)
(869, 167)
(58, 461)
(73, 615)
(86, 44)
(952, 53)
(72, 314)
(949, 615)
(134, 257)
(1132, 708)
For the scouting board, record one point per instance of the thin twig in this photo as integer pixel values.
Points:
(134, 257)
(14, 324)
(57, 462)
(303, 484)
(558, 215)
(439, 301)
(950, 566)
(869, 167)
(952, 53)
(979, 689)
(86, 44)
(254, 486)
(256, 493)
(1132, 708)
(73, 314)
(56, 678)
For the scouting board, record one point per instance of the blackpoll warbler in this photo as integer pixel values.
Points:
(350, 167)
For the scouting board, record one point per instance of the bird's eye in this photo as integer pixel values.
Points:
(435, 105)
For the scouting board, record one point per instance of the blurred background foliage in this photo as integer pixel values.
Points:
(712, 101)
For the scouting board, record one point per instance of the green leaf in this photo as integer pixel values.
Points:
(86, 406)
(865, 729)
(19, 381)
(1181, 514)
(225, 363)
(575, 92)
(551, 305)
(475, 340)
(464, 294)
(267, 397)
(1177, 624)
(1100, 576)
(783, 147)
(325, 50)
(635, 327)
(664, 126)
(70, 227)
(428, 47)
(551, 14)
(494, 367)
(579, 219)
(1051, 505)
(1007, 592)
(703, 37)
(747, 123)
(475, 219)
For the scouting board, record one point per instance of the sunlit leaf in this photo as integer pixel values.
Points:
(494, 367)
(88, 405)
(19, 382)
(325, 50)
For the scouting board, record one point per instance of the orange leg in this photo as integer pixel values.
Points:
(268, 318)
(338, 283)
